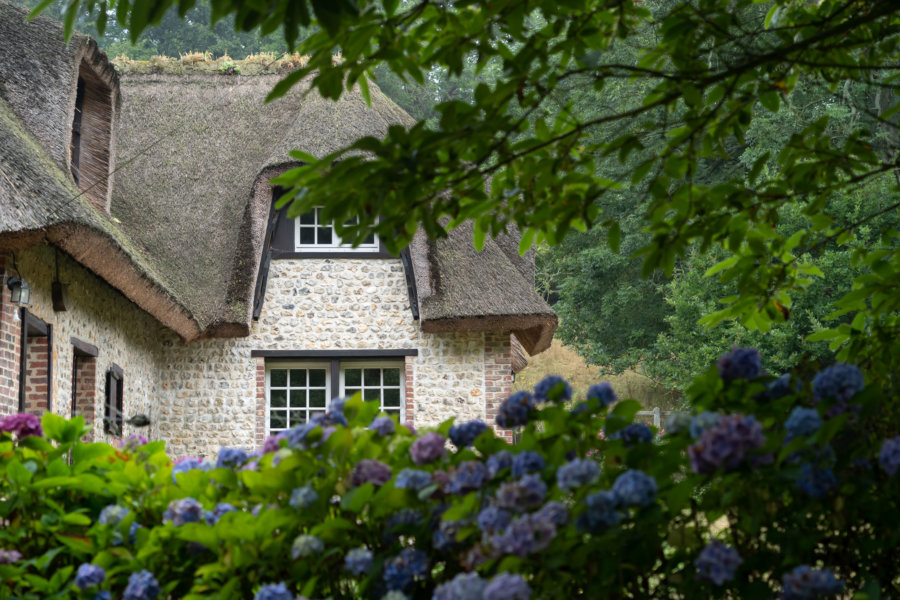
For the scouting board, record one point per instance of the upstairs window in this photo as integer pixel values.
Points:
(91, 143)
(313, 233)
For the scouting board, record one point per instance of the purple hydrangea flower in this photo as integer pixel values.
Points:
(427, 448)
(816, 482)
(839, 382)
(23, 425)
(306, 545)
(358, 561)
(383, 426)
(189, 463)
(465, 586)
(527, 462)
(507, 587)
(802, 421)
(498, 461)
(89, 575)
(717, 563)
(303, 497)
(8, 557)
(634, 433)
(556, 512)
(141, 586)
(493, 519)
(273, 443)
(635, 488)
(113, 515)
(603, 392)
(231, 457)
(600, 514)
(471, 475)
(369, 470)
(577, 473)
(526, 535)
(515, 410)
(740, 363)
(726, 445)
(133, 442)
(805, 582)
(401, 571)
(702, 422)
(445, 537)
(464, 434)
(889, 455)
(552, 388)
(213, 516)
(412, 479)
(527, 492)
(274, 591)
(185, 510)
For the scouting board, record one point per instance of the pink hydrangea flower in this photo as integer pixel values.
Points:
(23, 425)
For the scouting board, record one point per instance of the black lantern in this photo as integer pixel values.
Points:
(20, 292)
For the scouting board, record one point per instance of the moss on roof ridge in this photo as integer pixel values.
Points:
(204, 63)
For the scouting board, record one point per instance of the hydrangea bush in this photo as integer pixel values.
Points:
(771, 487)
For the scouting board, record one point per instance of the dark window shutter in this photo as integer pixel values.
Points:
(112, 423)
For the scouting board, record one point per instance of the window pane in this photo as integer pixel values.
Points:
(298, 378)
(391, 376)
(373, 377)
(298, 417)
(317, 378)
(307, 235)
(352, 220)
(278, 419)
(278, 398)
(371, 394)
(317, 398)
(392, 411)
(313, 413)
(324, 235)
(391, 398)
(350, 391)
(370, 239)
(353, 377)
(278, 378)
(308, 218)
(298, 398)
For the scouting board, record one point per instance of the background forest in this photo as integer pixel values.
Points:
(617, 318)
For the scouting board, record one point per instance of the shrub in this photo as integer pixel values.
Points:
(753, 499)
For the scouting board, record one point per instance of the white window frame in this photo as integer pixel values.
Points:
(382, 364)
(336, 245)
(287, 408)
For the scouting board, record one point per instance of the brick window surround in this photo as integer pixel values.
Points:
(36, 373)
(84, 381)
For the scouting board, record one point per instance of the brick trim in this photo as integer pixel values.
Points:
(409, 395)
(260, 434)
(498, 377)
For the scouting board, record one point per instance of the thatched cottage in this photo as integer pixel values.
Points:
(146, 271)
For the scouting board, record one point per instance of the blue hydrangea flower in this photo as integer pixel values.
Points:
(726, 445)
(465, 586)
(401, 571)
(412, 479)
(303, 497)
(603, 392)
(498, 461)
(369, 470)
(717, 563)
(445, 537)
(805, 582)
(577, 473)
(103, 595)
(274, 591)
(600, 514)
(184, 510)
(889, 455)
(840, 382)
(492, 519)
(471, 475)
(213, 516)
(521, 495)
(515, 410)
(189, 464)
(427, 448)
(556, 512)
(527, 462)
(802, 421)
(635, 488)
(702, 422)
(358, 561)
(306, 545)
(677, 423)
(816, 482)
(780, 388)
(231, 457)
(740, 363)
(383, 426)
(141, 586)
(526, 535)
(552, 388)
(634, 433)
(505, 586)
(113, 515)
(89, 575)
(464, 434)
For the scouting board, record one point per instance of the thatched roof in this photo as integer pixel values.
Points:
(195, 145)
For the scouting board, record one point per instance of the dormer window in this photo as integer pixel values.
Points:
(91, 146)
(313, 233)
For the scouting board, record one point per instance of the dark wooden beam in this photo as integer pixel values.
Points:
(327, 354)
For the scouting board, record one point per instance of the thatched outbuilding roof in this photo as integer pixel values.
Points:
(194, 149)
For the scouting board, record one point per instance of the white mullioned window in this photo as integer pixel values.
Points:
(312, 233)
(295, 393)
(382, 382)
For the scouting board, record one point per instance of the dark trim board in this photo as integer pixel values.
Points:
(322, 354)
(83, 348)
(280, 254)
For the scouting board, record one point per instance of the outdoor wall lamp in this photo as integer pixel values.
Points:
(20, 291)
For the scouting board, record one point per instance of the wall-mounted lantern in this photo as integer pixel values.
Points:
(20, 291)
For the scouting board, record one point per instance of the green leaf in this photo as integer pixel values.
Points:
(614, 236)
(479, 236)
(356, 499)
